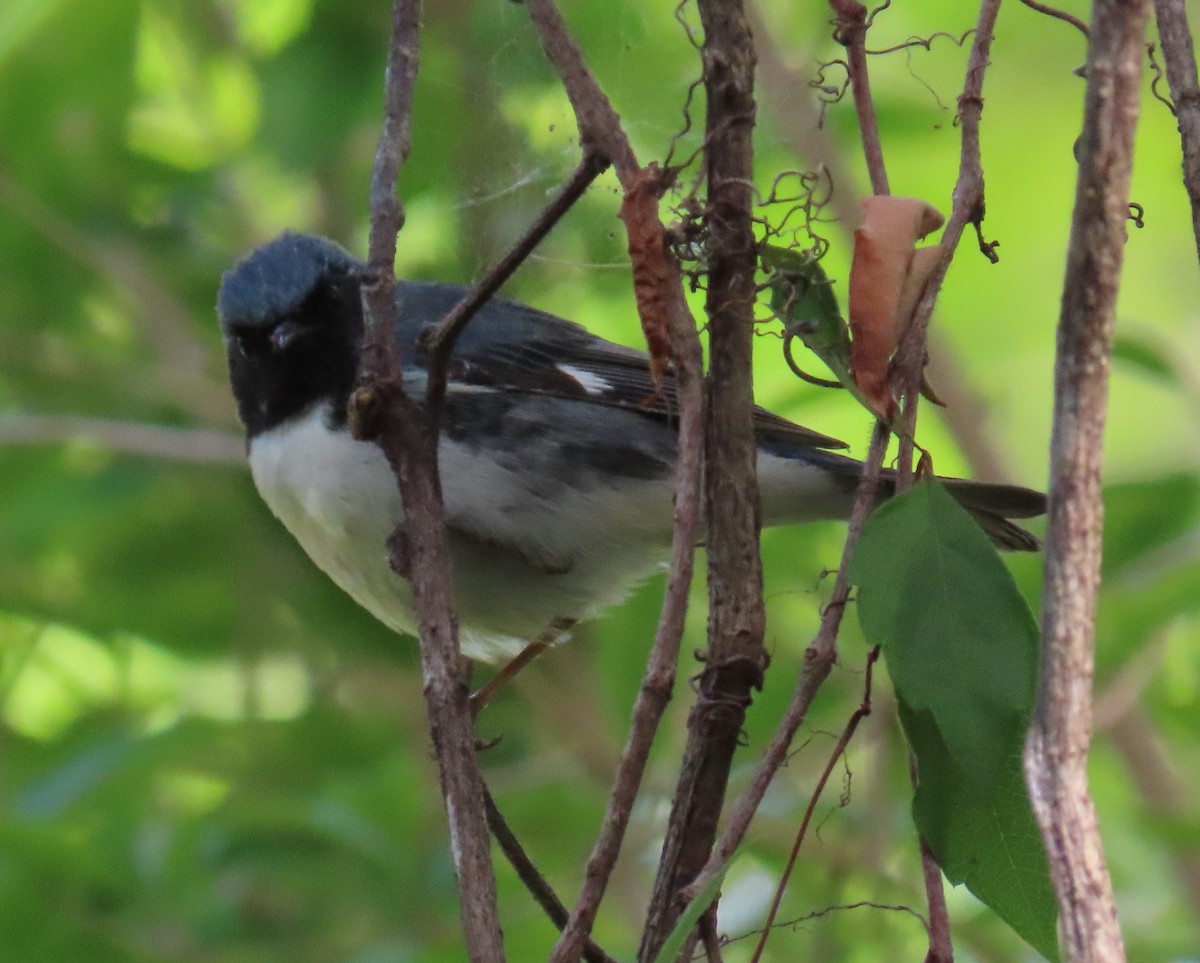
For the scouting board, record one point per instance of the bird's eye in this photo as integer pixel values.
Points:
(284, 334)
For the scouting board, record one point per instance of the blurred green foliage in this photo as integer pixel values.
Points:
(207, 753)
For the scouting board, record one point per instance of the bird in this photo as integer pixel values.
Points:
(555, 451)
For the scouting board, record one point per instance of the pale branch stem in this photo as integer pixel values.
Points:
(1057, 747)
(736, 657)
(208, 445)
(407, 433)
(1179, 56)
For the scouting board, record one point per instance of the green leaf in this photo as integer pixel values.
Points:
(1139, 352)
(689, 918)
(959, 639)
(961, 647)
(986, 840)
(1141, 516)
(802, 295)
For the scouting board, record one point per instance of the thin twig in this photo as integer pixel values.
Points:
(709, 937)
(529, 874)
(851, 32)
(909, 363)
(1056, 750)
(863, 710)
(819, 658)
(1175, 36)
(659, 680)
(967, 207)
(439, 341)
(799, 124)
(796, 922)
(1058, 15)
(407, 433)
(941, 949)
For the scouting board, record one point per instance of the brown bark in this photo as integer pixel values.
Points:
(1057, 748)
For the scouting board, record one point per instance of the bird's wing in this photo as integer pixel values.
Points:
(510, 347)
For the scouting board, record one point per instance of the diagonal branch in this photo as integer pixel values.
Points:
(661, 305)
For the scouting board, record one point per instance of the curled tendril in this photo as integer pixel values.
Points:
(687, 27)
(1156, 77)
(870, 21)
(830, 94)
(686, 129)
(788, 338)
(807, 200)
(926, 42)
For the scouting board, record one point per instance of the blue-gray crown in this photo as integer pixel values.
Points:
(276, 278)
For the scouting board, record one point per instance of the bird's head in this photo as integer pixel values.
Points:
(291, 315)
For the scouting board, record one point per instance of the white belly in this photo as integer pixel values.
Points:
(580, 553)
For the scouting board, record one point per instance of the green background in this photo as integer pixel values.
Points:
(207, 753)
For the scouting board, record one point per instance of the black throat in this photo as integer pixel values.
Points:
(282, 366)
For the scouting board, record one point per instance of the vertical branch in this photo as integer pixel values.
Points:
(851, 33)
(736, 656)
(406, 430)
(1057, 748)
(1175, 37)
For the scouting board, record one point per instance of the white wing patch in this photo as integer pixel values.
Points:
(590, 382)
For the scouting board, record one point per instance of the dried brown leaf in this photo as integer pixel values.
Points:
(652, 274)
(884, 287)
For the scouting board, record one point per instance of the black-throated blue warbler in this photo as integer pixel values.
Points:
(555, 454)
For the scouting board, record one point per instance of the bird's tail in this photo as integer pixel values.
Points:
(994, 505)
(810, 483)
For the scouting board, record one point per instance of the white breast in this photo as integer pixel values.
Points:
(580, 552)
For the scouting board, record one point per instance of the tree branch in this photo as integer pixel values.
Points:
(407, 432)
(534, 881)
(1057, 747)
(661, 305)
(1175, 37)
(439, 341)
(819, 658)
(736, 656)
(851, 33)
(967, 208)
